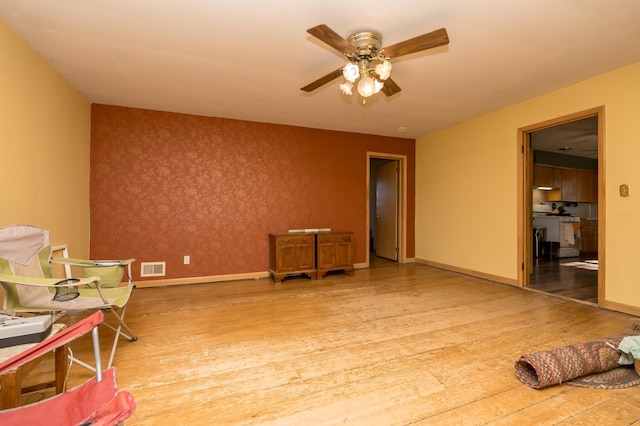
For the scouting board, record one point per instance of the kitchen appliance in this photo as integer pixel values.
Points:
(541, 209)
(569, 234)
(562, 234)
(539, 240)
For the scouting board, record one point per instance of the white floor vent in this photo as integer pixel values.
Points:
(152, 269)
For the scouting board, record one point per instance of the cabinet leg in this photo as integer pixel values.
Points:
(277, 278)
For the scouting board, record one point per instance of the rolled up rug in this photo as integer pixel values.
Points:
(540, 369)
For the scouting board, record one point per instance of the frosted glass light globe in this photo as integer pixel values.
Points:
(368, 86)
(351, 72)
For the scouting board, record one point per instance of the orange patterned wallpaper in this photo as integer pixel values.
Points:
(166, 185)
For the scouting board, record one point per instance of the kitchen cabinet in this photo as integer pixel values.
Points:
(542, 176)
(334, 252)
(579, 186)
(587, 186)
(569, 189)
(589, 235)
(548, 176)
(593, 196)
(291, 254)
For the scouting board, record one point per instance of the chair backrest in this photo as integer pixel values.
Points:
(25, 250)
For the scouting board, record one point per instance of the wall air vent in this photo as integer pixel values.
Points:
(152, 269)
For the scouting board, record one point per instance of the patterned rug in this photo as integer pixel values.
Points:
(591, 364)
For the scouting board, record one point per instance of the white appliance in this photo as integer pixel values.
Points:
(541, 209)
(569, 234)
(562, 232)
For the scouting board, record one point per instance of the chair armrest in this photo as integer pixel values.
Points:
(47, 282)
(87, 262)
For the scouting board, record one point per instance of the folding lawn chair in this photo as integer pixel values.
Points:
(95, 402)
(26, 275)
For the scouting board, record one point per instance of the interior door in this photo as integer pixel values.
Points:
(387, 210)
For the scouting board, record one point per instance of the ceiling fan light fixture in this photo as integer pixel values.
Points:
(383, 70)
(368, 86)
(346, 88)
(368, 60)
(351, 72)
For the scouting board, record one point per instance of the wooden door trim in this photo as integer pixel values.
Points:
(525, 179)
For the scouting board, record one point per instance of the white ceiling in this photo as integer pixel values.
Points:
(248, 59)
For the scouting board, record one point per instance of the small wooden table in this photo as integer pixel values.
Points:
(11, 382)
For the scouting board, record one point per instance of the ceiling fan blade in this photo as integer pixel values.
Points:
(390, 87)
(333, 39)
(322, 80)
(417, 44)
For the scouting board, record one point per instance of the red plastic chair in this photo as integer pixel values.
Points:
(95, 402)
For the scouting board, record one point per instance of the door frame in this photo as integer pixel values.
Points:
(402, 204)
(525, 185)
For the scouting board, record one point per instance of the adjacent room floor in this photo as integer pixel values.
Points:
(575, 282)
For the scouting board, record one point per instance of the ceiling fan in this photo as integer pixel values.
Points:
(368, 62)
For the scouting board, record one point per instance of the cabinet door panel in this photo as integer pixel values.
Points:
(569, 185)
(285, 259)
(542, 175)
(326, 255)
(583, 186)
(343, 254)
(305, 257)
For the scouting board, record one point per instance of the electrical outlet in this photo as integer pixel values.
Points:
(187, 260)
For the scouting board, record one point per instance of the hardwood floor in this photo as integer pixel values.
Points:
(392, 345)
(550, 276)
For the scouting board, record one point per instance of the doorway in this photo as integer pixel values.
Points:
(384, 222)
(386, 204)
(566, 147)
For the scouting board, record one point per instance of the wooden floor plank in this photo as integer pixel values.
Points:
(392, 345)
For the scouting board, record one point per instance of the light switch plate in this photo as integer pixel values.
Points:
(624, 190)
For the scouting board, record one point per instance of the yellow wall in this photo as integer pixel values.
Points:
(467, 184)
(45, 129)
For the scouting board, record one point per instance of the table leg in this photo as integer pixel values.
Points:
(11, 386)
(61, 365)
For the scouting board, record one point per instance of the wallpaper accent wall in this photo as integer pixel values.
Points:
(165, 185)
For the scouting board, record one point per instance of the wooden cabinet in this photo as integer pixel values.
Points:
(569, 188)
(547, 176)
(291, 254)
(575, 185)
(334, 252)
(593, 196)
(587, 186)
(542, 176)
(313, 254)
(589, 236)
